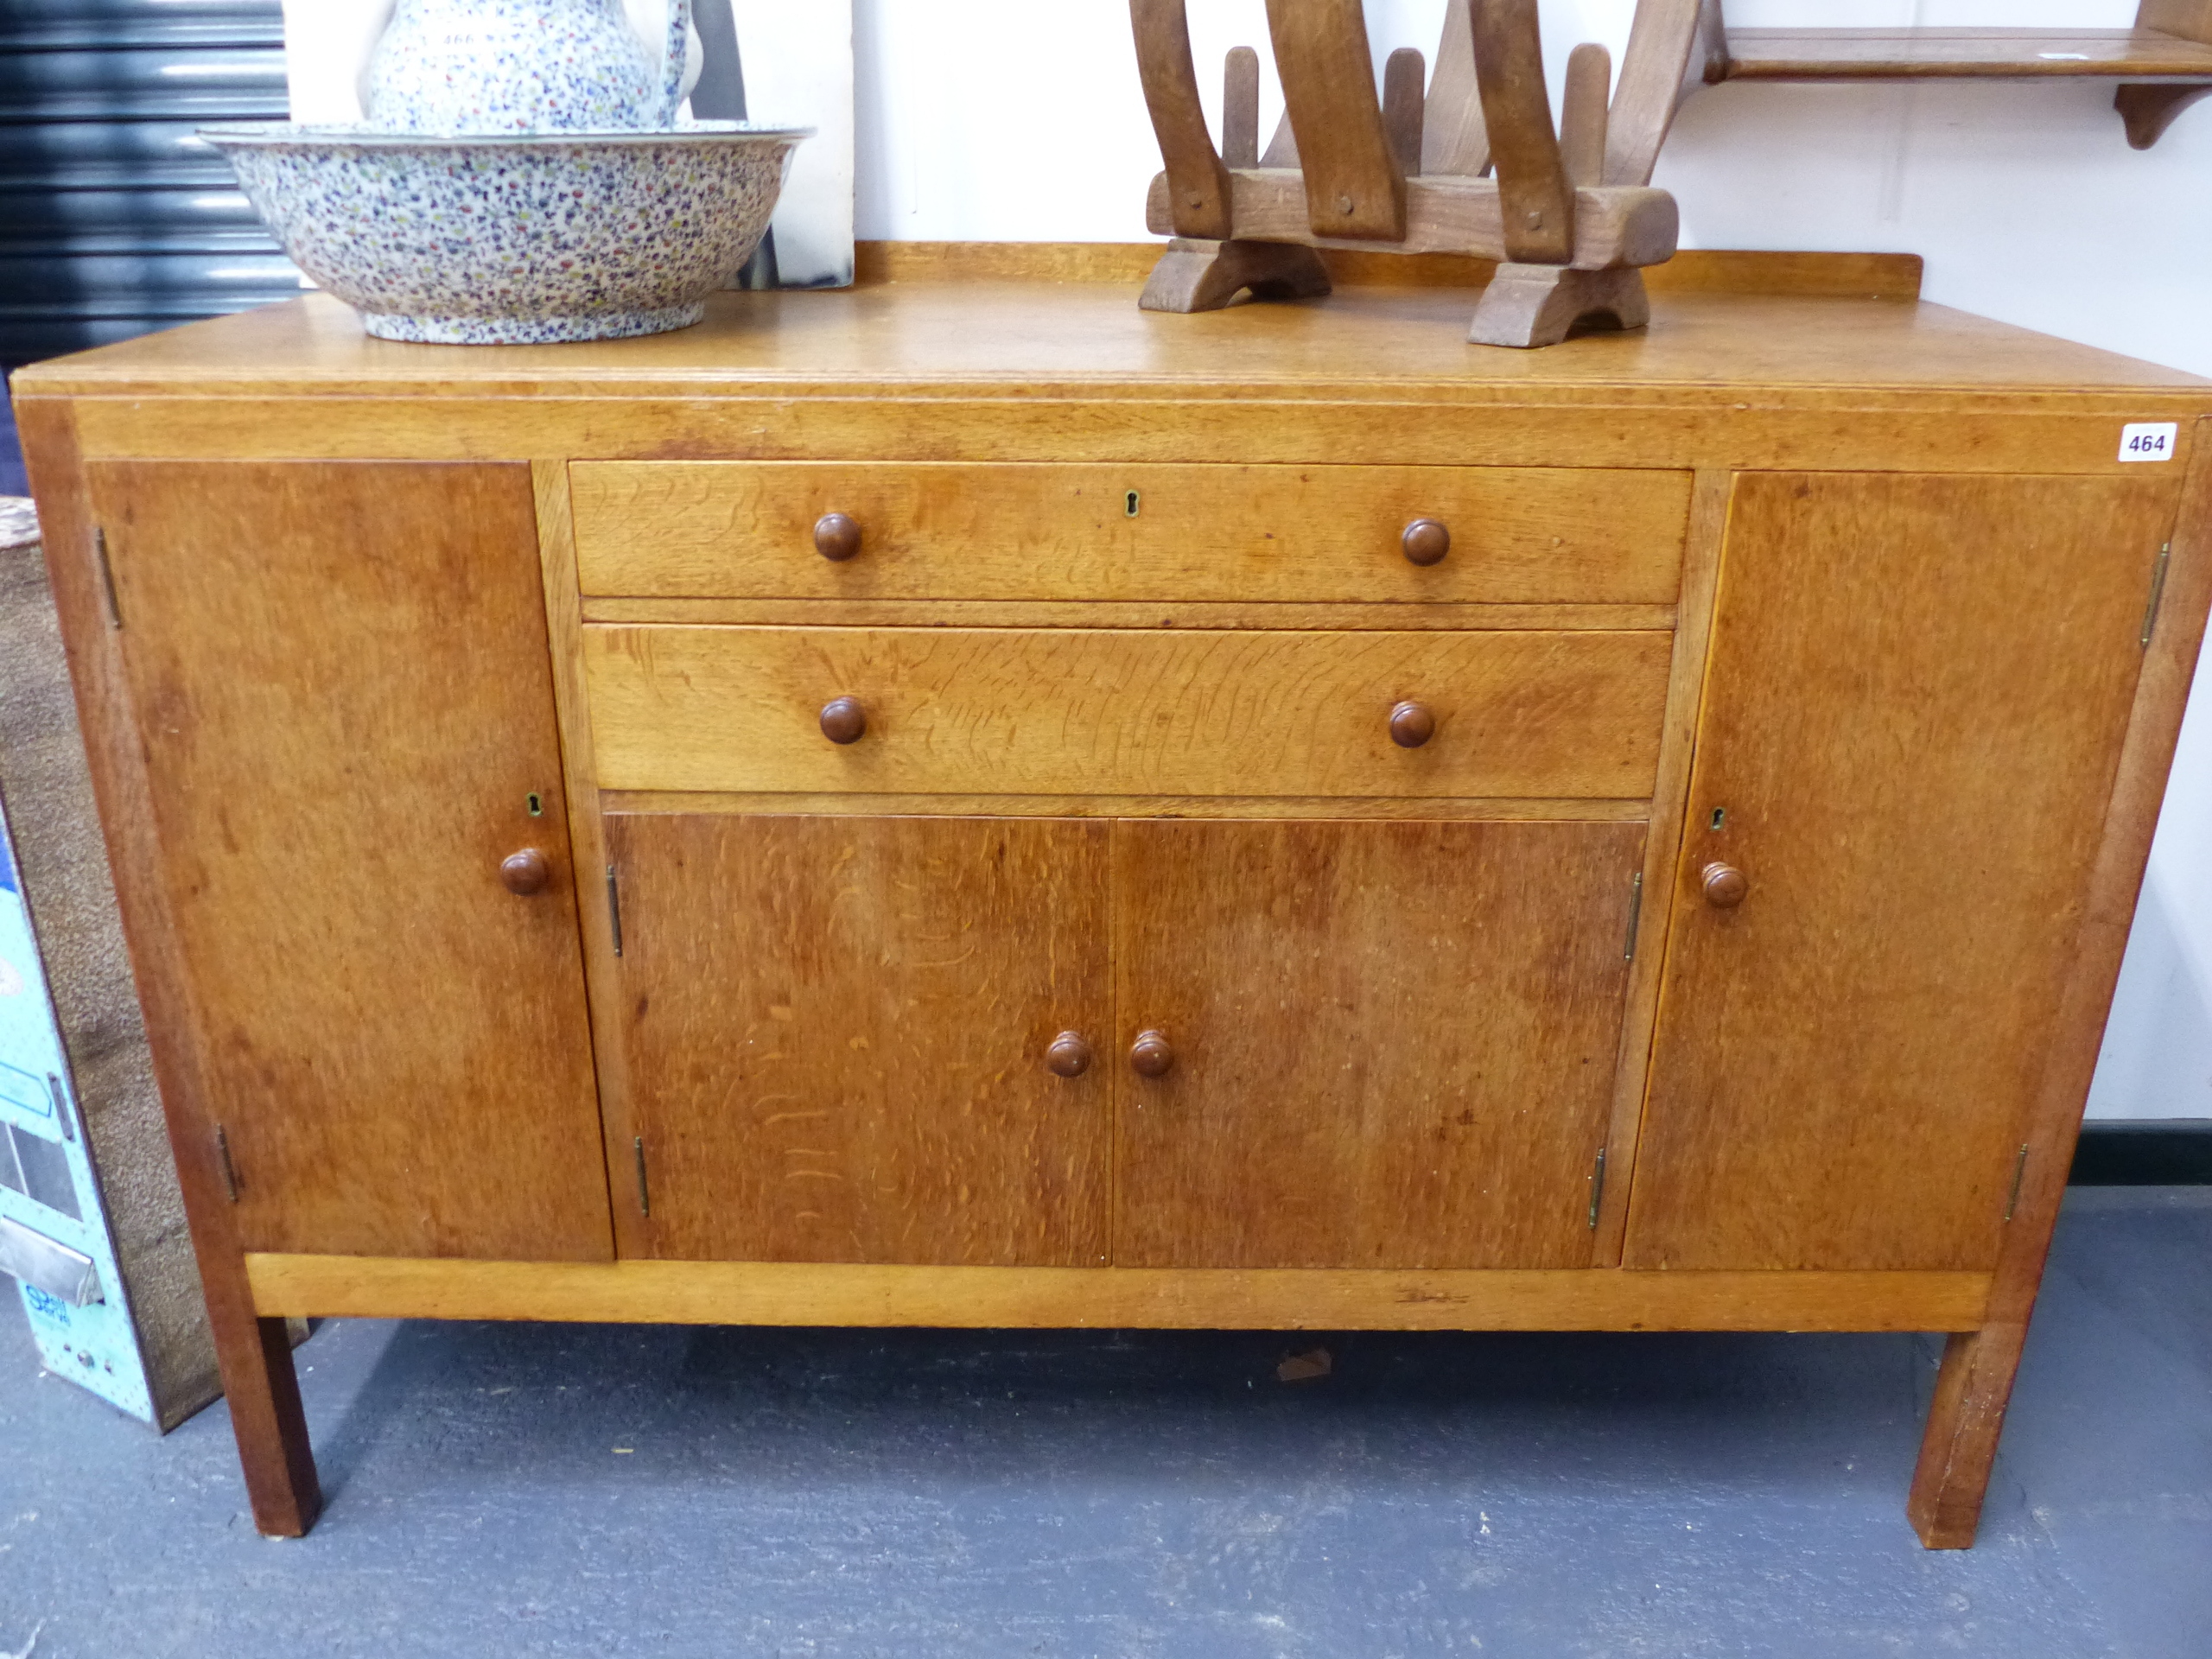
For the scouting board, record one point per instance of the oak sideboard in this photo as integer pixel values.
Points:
(961, 802)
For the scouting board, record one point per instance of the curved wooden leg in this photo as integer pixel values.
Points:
(1539, 305)
(1195, 276)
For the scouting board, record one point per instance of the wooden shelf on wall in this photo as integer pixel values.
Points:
(2164, 64)
(1963, 55)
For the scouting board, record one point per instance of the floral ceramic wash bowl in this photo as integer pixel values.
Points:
(515, 240)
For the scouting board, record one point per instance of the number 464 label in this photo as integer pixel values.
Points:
(2147, 441)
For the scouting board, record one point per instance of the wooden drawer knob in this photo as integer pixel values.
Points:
(525, 873)
(1069, 1056)
(1149, 1056)
(1725, 884)
(843, 720)
(836, 537)
(1426, 542)
(1412, 724)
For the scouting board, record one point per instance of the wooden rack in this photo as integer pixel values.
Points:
(1569, 214)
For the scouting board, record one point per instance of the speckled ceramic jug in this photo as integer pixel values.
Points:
(475, 67)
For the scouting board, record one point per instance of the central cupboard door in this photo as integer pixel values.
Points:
(1386, 1045)
(838, 1036)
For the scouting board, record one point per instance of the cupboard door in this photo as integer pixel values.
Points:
(1392, 1043)
(342, 686)
(837, 1034)
(1914, 707)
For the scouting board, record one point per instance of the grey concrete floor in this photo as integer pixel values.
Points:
(544, 1490)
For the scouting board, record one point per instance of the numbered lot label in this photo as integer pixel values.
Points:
(2147, 441)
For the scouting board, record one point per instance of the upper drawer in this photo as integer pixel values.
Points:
(1532, 535)
(1019, 711)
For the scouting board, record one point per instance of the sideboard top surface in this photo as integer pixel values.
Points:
(1088, 340)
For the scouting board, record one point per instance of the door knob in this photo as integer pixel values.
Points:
(1412, 724)
(1426, 542)
(1069, 1056)
(843, 720)
(525, 873)
(836, 537)
(1725, 884)
(1149, 1056)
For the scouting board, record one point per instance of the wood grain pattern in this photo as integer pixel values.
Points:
(341, 680)
(1880, 275)
(835, 1031)
(1125, 712)
(1520, 809)
(1351, 182)
(1675, 46)
(556, 546)
(1198, 534)
(770, 1293)
(1538, 208)
(1421, 1075)
(1240, 108)
(1968, 1412)
(1913, 755)
(1677, 747)
(258, 1380)
(1953, 54)
(1452, 138)
(1200, 185)
(2191, 20)
(1122, 614)
(1610, 226)
(1582, 118)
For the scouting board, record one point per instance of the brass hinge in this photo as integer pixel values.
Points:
(2019, 1170)
(613, 910)
(645, 1192)
(107, 577)
(1596, 1188)
(223, 1157)
(1635, 913)
(2157, 594)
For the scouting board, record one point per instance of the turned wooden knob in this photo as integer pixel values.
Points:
(1412, 724)
(1725, 884)
(843, 720)
(836, 537)
(1426, 542)
(525, 872)
(1069, 1056)
(1149, 1056)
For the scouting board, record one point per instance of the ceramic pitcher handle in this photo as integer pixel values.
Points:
(672, 77)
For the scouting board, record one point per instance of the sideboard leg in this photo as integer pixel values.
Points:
(263, 1390)
(1963, 1424)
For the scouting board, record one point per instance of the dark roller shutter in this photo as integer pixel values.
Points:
(114, 221)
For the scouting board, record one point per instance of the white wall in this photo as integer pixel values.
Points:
(1021, 120)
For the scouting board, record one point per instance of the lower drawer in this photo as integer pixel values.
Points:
(1125, 712)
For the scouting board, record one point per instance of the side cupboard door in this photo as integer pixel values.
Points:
(1913, 717)
(341, 682)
